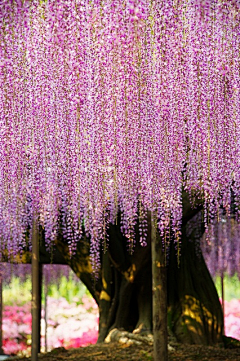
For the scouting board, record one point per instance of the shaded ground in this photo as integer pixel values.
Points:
(117, 352)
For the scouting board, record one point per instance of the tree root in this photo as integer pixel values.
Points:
(129, 338)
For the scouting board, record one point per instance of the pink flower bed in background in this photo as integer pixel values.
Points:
(232, 318)
(16, 327)
(69, 325)
(72, 325)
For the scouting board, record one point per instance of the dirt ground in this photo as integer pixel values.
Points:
(118, 352)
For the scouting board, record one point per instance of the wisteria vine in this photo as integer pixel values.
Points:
(221, 247)
(116, 105)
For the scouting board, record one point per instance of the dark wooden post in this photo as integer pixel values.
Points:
(45, 312)
(223, 297)
(35, 293)
(159, 289)
(39, 305)
(1, 310)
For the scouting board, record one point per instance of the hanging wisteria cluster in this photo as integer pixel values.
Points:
(52, 273)
(221, 247)
(116, 105)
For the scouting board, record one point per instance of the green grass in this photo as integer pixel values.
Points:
(16, 292)
(69, 289)
(19, 293)
(231, 287)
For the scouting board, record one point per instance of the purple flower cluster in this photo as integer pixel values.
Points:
(221, 247)
(52, 273)
(105, 105)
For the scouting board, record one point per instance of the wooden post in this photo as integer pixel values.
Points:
(159, 296)
(35, 293)
(1, 311)
(45, 313)
(223, 306)
(39, 305)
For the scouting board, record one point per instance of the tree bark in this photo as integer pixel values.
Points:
(194, 310)
(124, 288)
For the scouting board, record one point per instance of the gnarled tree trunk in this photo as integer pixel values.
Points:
(123, 290)
(194, 311)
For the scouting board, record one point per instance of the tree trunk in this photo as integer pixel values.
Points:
(123, 289)
(194, 310)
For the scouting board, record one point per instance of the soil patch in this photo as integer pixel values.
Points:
(117, 352)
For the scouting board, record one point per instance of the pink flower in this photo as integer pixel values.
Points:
(87, 338)
(11, 347)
